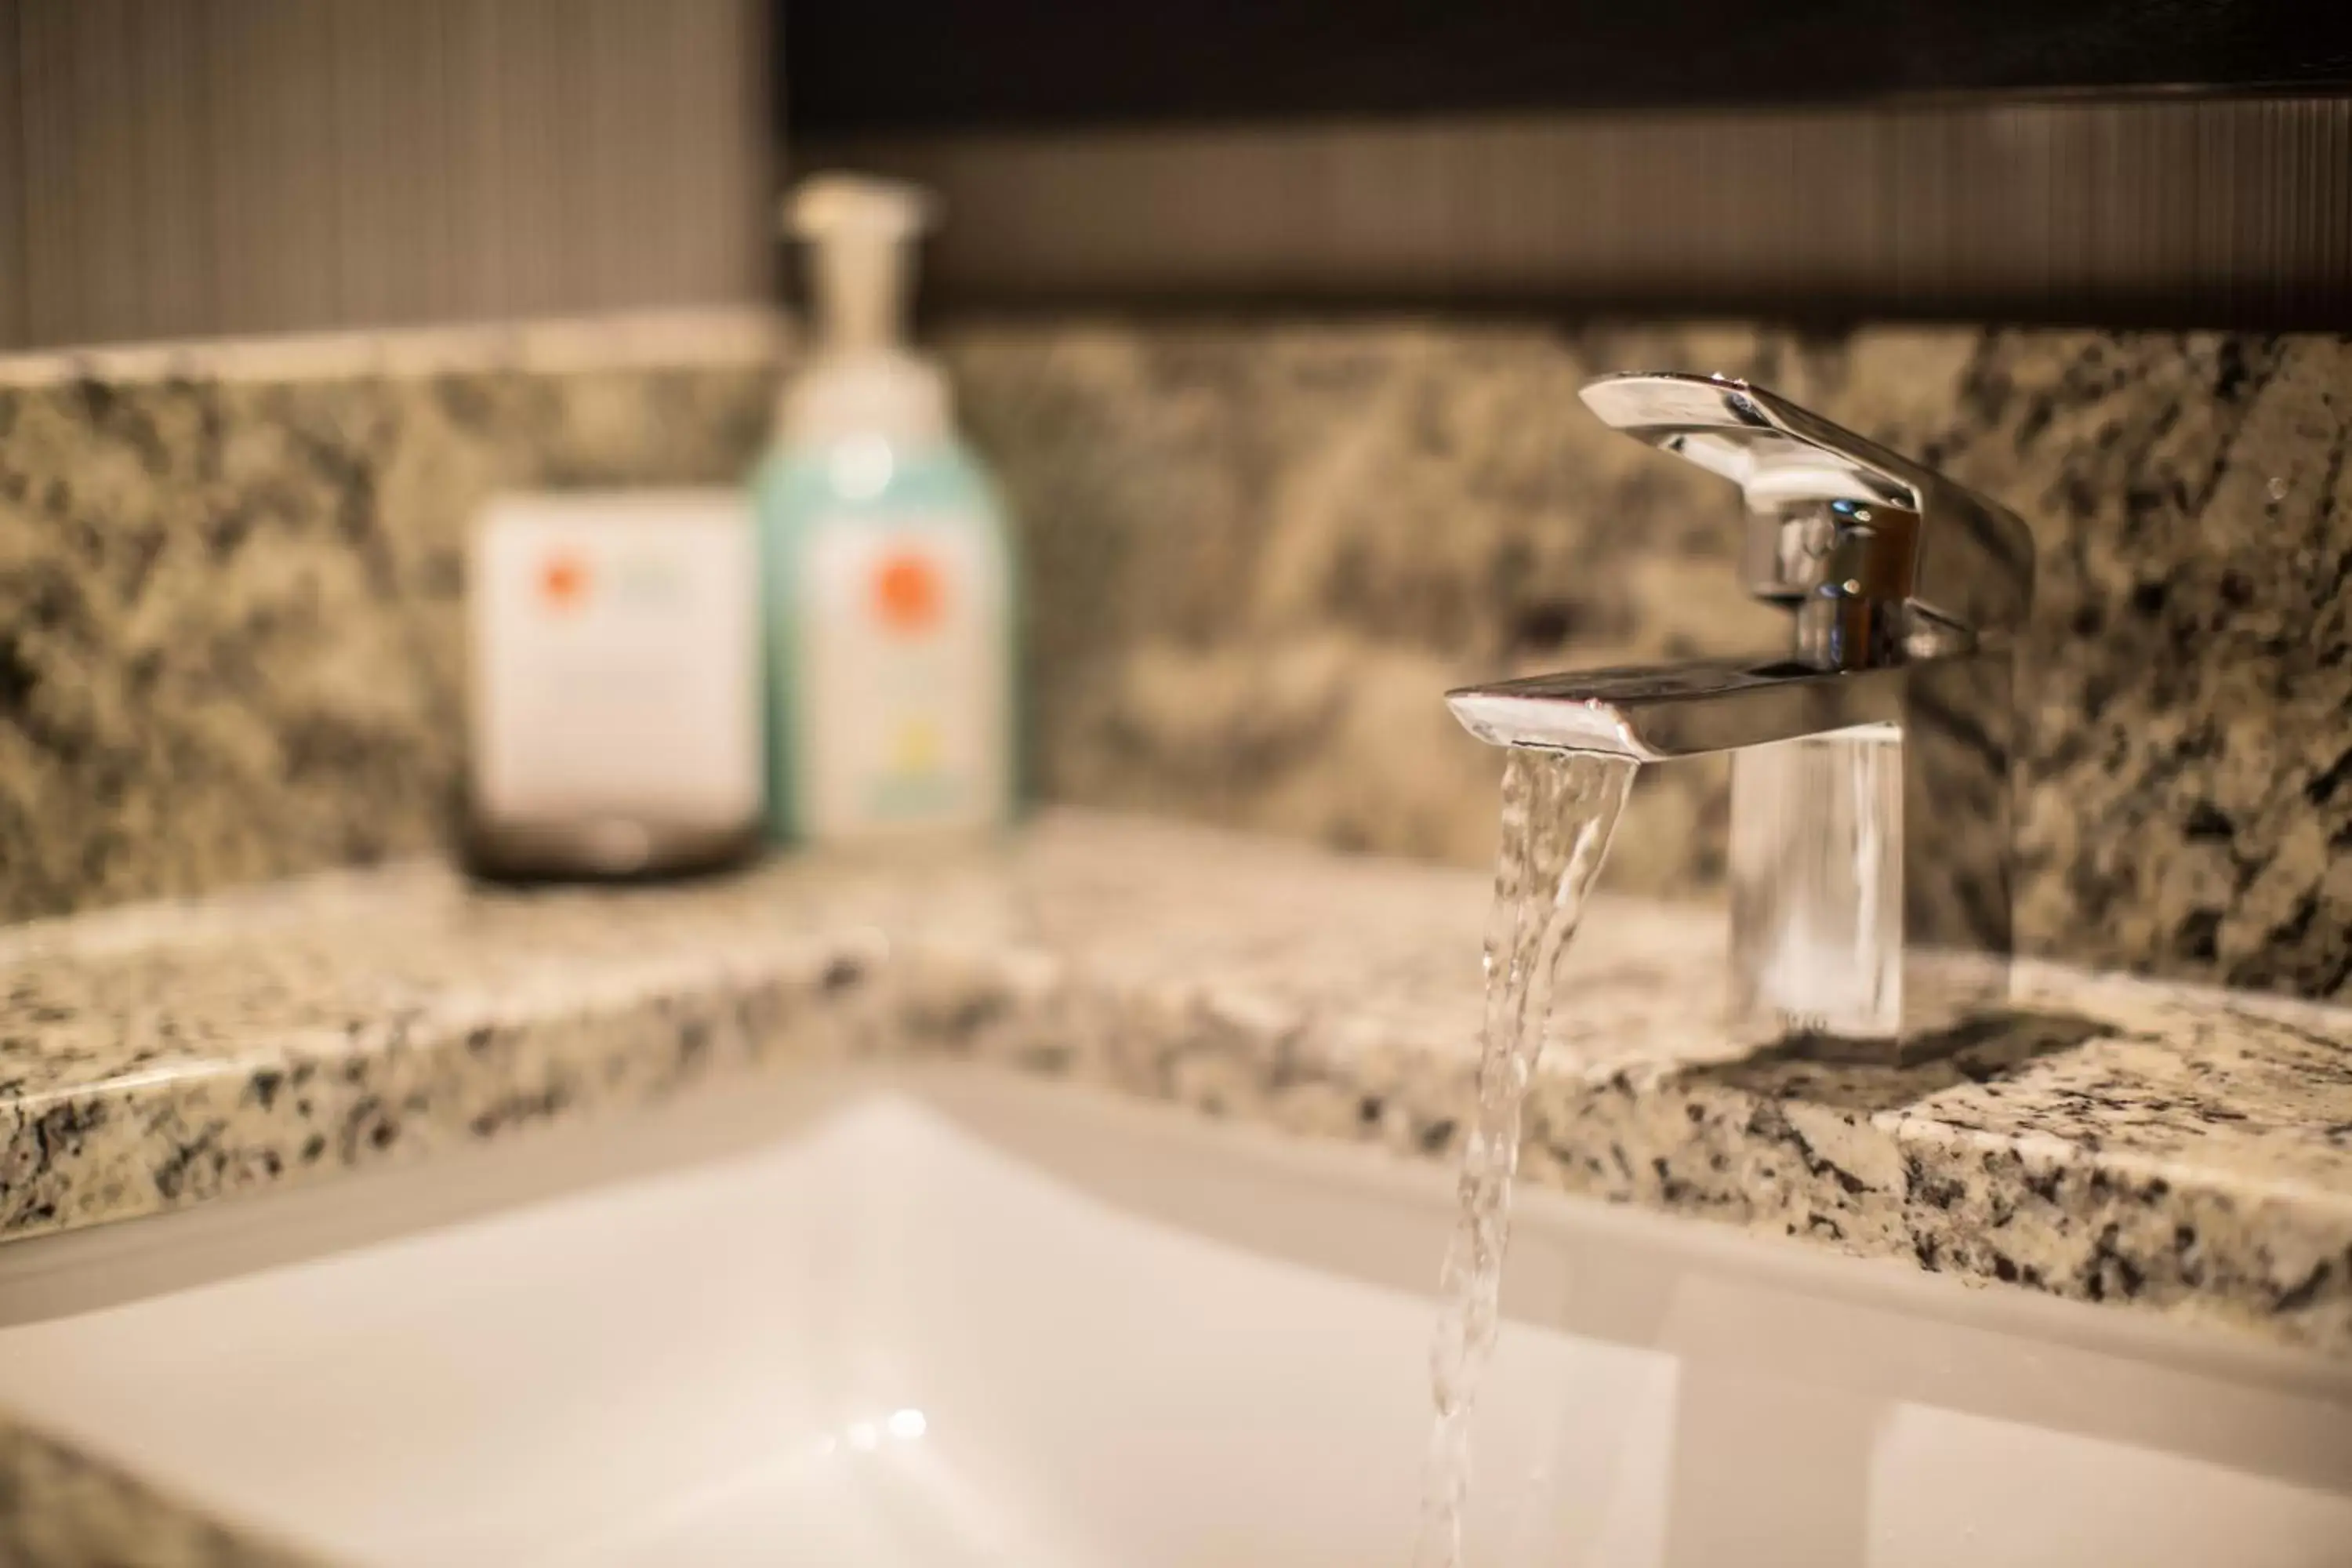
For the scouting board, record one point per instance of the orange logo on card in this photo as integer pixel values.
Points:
(563, 581)
(908, 595)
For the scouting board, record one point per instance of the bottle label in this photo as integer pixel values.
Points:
(905, 714)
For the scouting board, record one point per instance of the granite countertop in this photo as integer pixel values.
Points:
(2181, 1152)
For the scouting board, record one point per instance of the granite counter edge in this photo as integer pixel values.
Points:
(2074, 1220)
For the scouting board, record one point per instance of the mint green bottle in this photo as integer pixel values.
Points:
(888, 575)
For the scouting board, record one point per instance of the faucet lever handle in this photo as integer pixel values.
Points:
(1832, 514)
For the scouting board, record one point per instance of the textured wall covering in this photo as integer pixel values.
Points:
(229, 641)
(1262, 554)
(216, 166)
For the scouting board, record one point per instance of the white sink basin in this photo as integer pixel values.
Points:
(945, 1321)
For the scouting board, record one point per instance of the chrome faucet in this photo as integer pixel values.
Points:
(1870, 791)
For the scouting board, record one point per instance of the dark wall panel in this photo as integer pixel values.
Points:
(2125, 161)
(2144, 212)
(905, 65)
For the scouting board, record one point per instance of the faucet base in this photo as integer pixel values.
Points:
(1869, 881)
(1816, 868)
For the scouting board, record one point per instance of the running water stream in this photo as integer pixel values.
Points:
(1558, 811)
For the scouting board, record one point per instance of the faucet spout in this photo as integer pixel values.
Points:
(1654, 713)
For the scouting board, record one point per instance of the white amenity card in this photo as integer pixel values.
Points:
(616, 658)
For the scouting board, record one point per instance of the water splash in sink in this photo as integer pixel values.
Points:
(1560, 809)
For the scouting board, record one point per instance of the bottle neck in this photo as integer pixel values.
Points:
(860, 281)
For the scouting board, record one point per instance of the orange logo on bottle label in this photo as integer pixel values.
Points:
(563, 581)
(908, 595)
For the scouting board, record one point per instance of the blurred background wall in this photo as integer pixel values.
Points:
(173, 168)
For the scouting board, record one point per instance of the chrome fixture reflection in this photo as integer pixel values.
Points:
(1870, 800)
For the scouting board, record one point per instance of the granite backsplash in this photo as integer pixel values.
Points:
(230, 643)
(1261, 554)
(230, 638)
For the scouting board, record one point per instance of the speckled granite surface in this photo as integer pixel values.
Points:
(2174, 1150)
(228, 597)
(230, 638)
(1261, 549)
